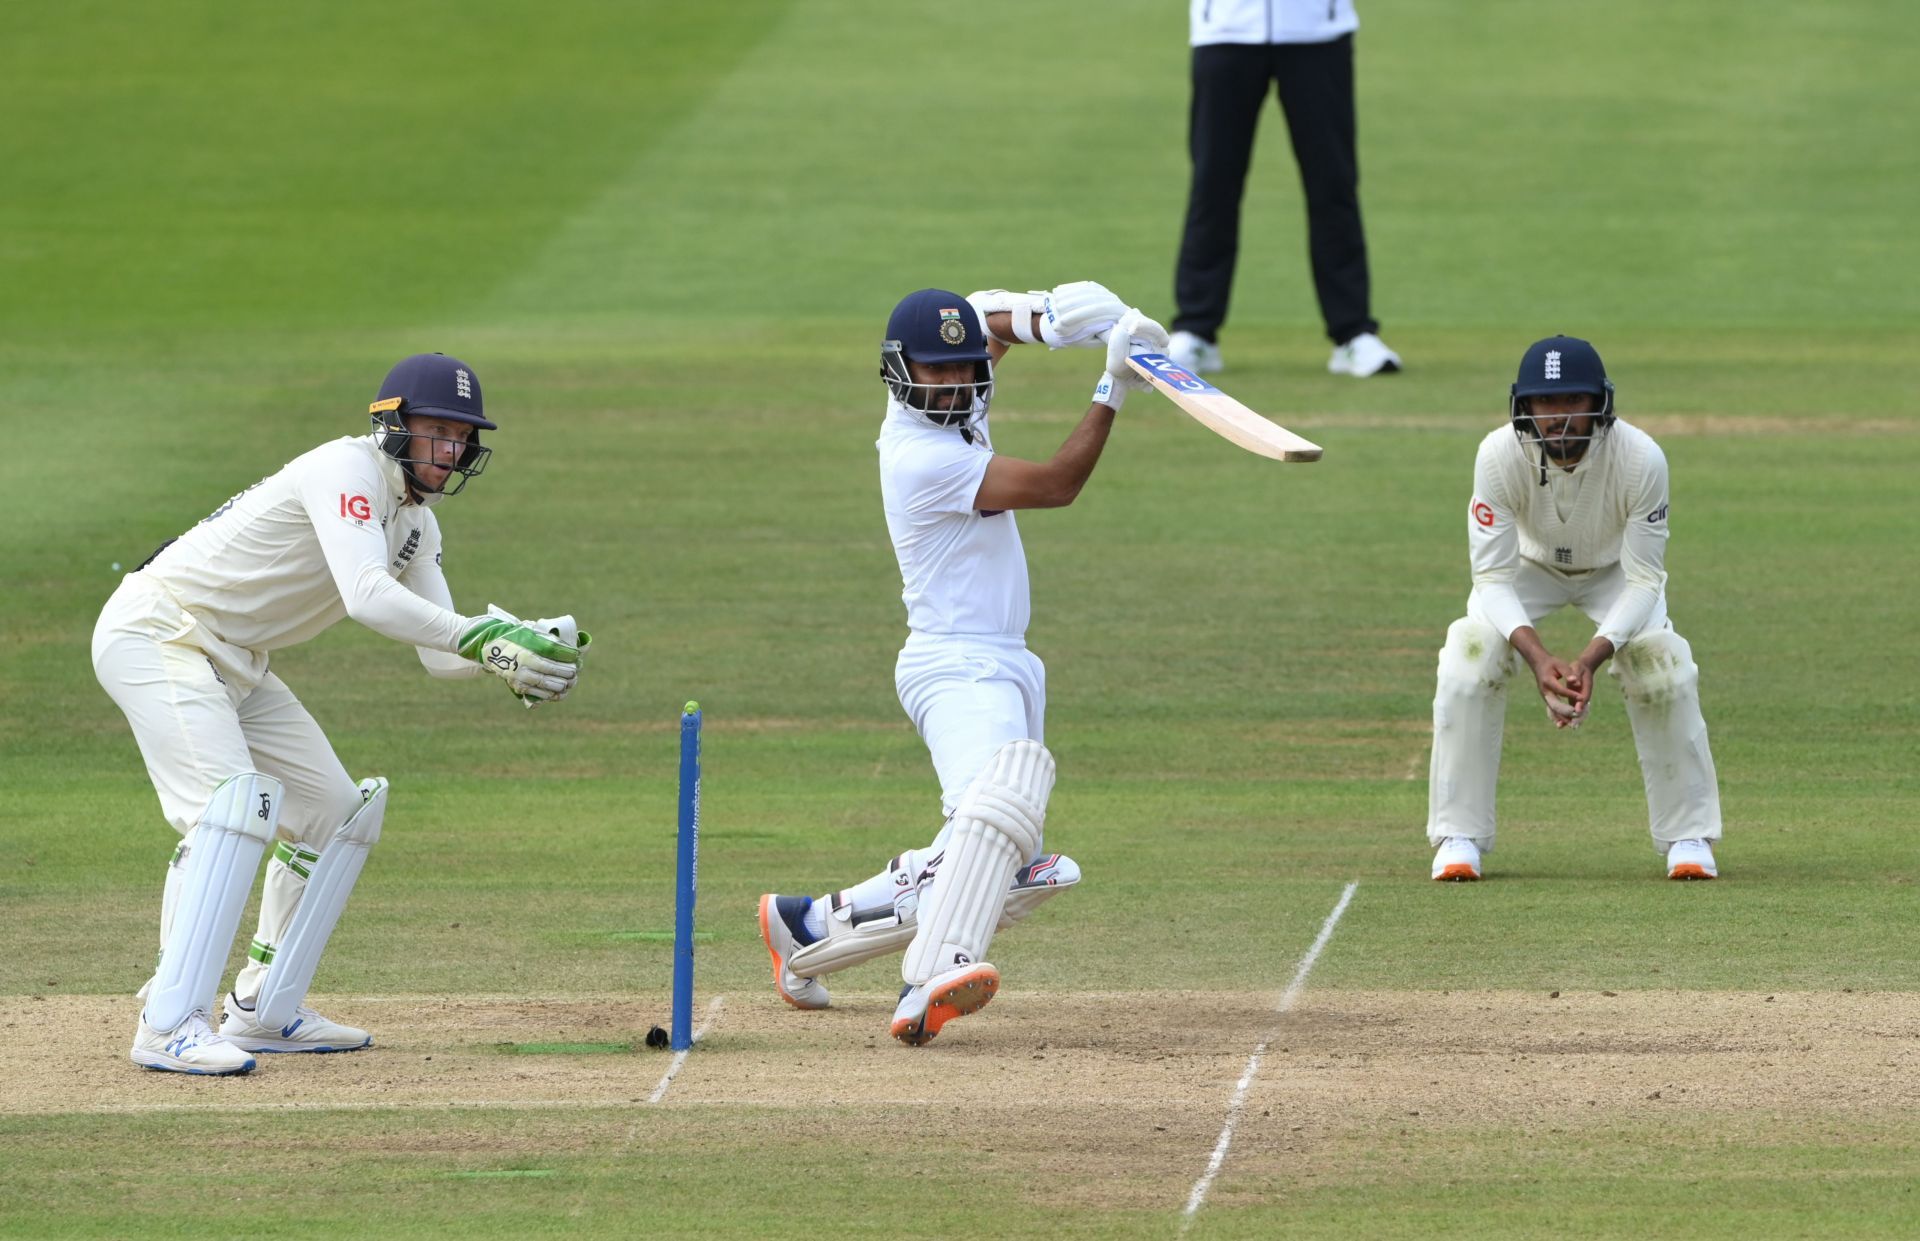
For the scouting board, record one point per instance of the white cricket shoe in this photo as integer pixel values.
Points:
(1457, 860)
(1364, 355)
(932, 1004)
(1691, 859)
(778, 915)
(1198, 355)
(190, 1047)
(308, 1031)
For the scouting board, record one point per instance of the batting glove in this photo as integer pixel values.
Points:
(1133, 333)
(1078, 313)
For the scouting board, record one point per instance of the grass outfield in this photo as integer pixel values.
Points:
(666, 238)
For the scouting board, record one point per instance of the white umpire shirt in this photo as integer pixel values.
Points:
(1269, 21)
(962, 571)
(328, 536)
(1610, 509)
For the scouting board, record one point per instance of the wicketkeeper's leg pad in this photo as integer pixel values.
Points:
(216, 877)
(855, 937)
(998, 825)
(329, 883)
(1661, 685)
(1469, 722)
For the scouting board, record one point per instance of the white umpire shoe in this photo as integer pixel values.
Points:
(1364, 355)
(1197, 354)
(924, 1009)
(190, 1047)
(1691, 859)
(308, 1031)
(780, 923)
(1457, 860)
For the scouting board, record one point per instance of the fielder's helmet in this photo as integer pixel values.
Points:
(431, 383)
(1559, 364)
(934, 326)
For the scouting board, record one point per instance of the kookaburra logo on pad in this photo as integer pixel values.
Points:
(463, 383)
(1553, 364)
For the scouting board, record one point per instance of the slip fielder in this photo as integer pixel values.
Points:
(974, 691)
(1569, 507)
(240, 767)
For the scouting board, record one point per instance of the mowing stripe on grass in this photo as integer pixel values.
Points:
(1239, 1101)
(680, 1057)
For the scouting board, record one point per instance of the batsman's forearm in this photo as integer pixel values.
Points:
(1073, 463)
(1000, 327)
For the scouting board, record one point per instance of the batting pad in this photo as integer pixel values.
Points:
(227, 846)
(848, 943)
(328, 887)
(997, 826)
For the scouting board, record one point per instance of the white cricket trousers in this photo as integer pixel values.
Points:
(1658, 682)
(199, 722)
(968, 695)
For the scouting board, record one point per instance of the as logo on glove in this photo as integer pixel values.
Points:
(497, 657)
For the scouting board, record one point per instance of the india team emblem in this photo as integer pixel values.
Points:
(953, 329)
(1553, 364)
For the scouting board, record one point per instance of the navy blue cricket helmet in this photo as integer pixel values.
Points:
(1560, 365)
(431, 383)
(936, 326)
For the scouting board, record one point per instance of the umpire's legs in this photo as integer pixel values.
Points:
(1229, 85)
(1316, 93)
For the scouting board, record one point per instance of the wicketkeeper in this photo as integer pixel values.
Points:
(974, 691)
(241, 768)
(1569, 507)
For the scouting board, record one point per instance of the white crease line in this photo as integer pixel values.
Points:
(680, 1057)
(1239, 1100)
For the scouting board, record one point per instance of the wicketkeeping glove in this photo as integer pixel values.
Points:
(561, 629)
(536, 666)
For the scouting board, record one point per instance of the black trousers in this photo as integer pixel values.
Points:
(1316, 95)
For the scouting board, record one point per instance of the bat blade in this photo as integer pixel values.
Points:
(1220, 413)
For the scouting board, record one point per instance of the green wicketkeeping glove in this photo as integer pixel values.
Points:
(536, 666)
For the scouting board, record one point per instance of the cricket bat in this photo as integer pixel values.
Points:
(1220, 413)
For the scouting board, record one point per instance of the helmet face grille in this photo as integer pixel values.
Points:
(946, 405)
(391, 434)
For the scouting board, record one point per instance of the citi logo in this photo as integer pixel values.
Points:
(1553, 364)
(463, 384)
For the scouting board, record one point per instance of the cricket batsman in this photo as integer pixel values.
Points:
(974, 691)
(241, 769)
(1569, 507)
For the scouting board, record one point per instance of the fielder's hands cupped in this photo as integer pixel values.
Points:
(1133, 333)
(534, 663)
(1565, 688)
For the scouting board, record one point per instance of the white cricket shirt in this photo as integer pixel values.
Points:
(1269, 21)
(326, 537)
(961, 570)
(1617, 513)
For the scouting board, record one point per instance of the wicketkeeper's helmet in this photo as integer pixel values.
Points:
(934, 326)
(431, 383)
(1559, 364)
